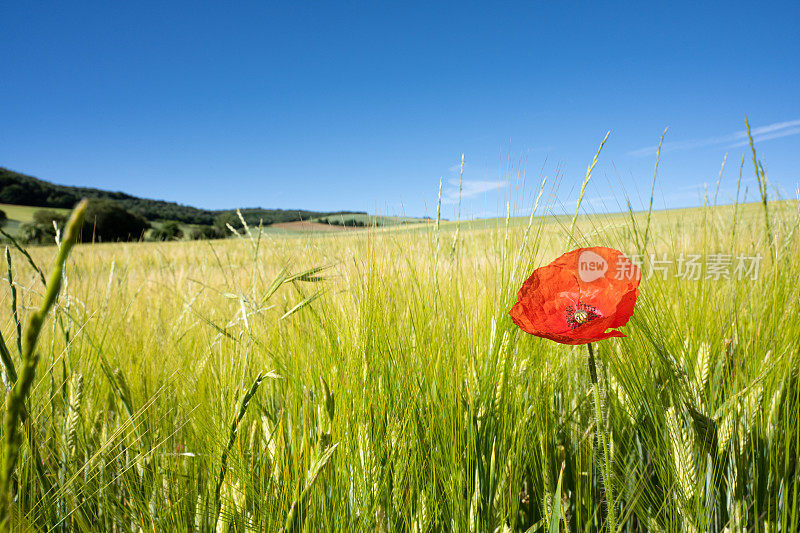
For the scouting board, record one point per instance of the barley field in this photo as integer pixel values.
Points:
(373, 381)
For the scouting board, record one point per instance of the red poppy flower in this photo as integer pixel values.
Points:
(579, 296)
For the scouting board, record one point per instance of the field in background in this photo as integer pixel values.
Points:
(24, 213)
(369, 220)
(20, 214)
(306, 226)
(372, 381)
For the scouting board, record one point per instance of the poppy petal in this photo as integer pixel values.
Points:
(599, 277)
(625, 308)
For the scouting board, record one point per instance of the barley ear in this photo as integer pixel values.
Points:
(232, 437)
(14, 313)
(73, 419)
(294, 519)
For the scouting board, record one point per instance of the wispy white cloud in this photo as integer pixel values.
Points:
(469, 189)
(739, 138)
(766, 137)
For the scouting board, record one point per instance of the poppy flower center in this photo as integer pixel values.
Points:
(580, 314)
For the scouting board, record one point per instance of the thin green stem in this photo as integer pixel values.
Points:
(570, 237)
(602, 436)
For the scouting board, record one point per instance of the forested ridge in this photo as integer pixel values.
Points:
(21, 189)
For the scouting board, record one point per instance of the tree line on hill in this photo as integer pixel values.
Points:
(346, 222)
(19, 189)
(107, 221)
(120, 216)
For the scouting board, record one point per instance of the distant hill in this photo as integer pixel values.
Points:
(20, 189)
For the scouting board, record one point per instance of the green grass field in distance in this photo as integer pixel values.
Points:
(24, 213)
(21, 214)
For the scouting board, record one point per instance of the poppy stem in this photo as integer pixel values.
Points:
(603, 439)
(592, 366)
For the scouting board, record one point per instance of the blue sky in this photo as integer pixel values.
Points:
(364, 105)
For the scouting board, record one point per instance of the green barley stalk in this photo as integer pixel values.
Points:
(14, 300)
(15, 400)
(438, 216)
(439, 207)
(10, 374)
(458, 217)
(583, 190)
(719, 178)
(294, 520)
(761, 178)
(736, 203)
(652, 190)
(437, 237)
(232, 437)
